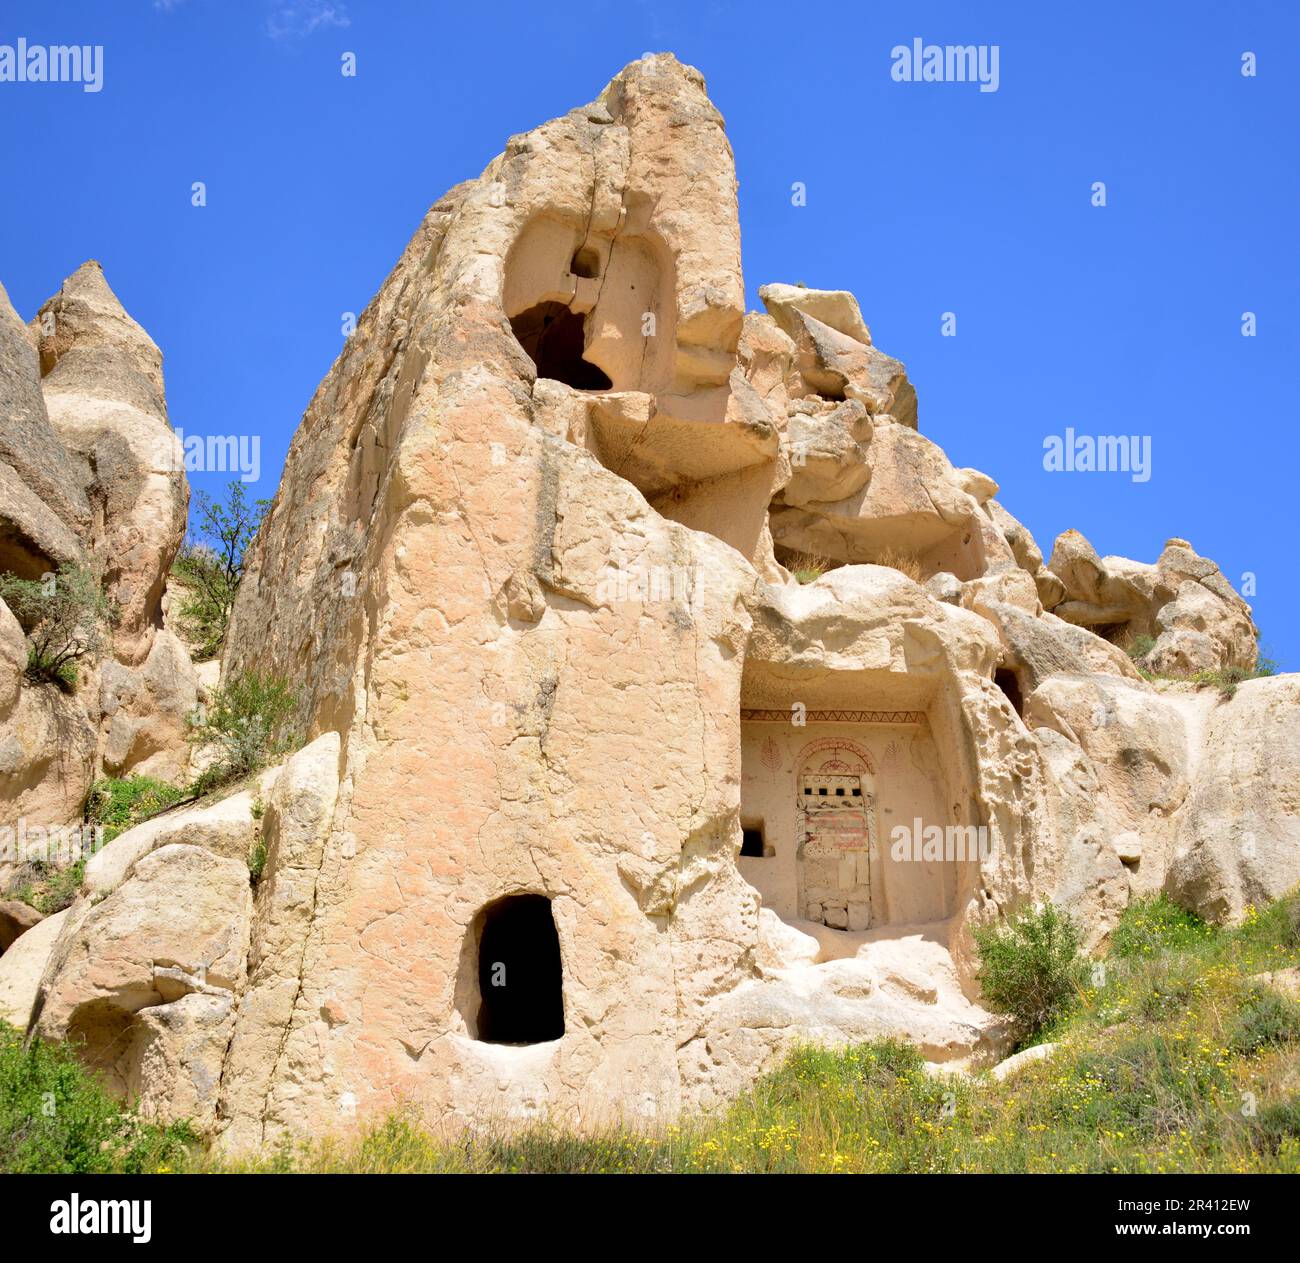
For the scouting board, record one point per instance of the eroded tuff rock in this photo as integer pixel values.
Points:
(91, 475)
(602, 810)
(1182, 602)
(1238, 839)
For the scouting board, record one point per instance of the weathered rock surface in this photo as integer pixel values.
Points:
(1238, 839)
(91, 475)
(177, 926)
(101, 376)
(15, 920)
(1182, 602)
(44, 510)
(21, 967)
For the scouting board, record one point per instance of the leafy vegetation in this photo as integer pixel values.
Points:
(1226, 679)
(247, 724)
(56, 1118)
(65, 616)
(1030, 968)
(1139, 647)
(119, 804)
(47, 887)
(257, 858)
(211, 565)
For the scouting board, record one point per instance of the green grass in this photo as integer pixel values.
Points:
(1225, 679)
(1148, 927)
(55, 1118)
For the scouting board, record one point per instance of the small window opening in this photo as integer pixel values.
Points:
(586, 263)
(752, 843)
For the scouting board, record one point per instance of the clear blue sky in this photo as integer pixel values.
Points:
(922, 198)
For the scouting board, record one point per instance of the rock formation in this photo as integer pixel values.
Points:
(669, 698)
(93, 477)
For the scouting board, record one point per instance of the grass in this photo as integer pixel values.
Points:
(902, 561)
(1174, 1058)
(807, 567)
(1149, 927)
(1225, 679)
(113, 806)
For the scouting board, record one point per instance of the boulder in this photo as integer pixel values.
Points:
(15, 920)
(178, 925)
(1182, 604)
(44, 510)
(22, 966)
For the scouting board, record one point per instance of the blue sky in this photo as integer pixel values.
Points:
(921, 198)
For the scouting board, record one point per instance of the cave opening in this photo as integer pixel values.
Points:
(555, 338)
(1006, 680)
(520, 977)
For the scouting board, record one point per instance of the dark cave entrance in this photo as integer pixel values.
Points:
(1006, 680)
(555, 339)
(521, 982)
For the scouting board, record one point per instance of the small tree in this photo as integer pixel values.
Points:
(247, 724)
(65, 616)
(211, 565)
(1031, 968)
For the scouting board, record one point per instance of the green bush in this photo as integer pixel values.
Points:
(56, 1119)
(247, 724)
(65, 616)
(122, 803)
(212, 564)
(1140, 646)
(1031, 969)
(257, 858)
(1226, 679)
(1265, 1020)
(1148, 927)
(1277, 1124)
(47, 887)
